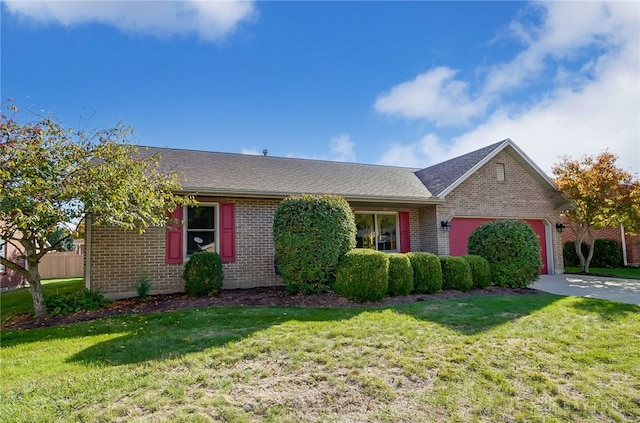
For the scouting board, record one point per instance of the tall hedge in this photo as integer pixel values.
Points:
(512, 249)
(480, 271)
(400, 275)
(427, 273)
(569, 253)
(456, 274)
(363, 275)
(606, 253)
(311, 233)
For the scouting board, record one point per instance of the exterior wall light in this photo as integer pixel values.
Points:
(445, 225)
(560, 227)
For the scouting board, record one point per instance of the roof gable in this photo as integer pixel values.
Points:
(442, 178)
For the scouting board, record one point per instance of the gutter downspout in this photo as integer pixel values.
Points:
(87, 252)
(624, 246)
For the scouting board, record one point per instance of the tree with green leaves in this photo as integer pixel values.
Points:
(602, 195)
(52, 176)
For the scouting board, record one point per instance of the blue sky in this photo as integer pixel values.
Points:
(398, 83)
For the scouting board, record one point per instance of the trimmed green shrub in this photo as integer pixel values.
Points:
(480, 271)
(311, 233)
(427, 273)
(606, 253)
(362, 275)
(512, 249)
(83, 300)
(456, 274)
(203, 274)
(400, 275)
(569, 253)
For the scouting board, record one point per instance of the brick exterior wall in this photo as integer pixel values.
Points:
(519, 196)
(632, 242)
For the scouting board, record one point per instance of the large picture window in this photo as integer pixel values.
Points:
(200, 228)
(377, 231)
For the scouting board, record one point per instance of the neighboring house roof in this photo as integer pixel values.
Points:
(214, 173)
(444, 177)
(259, 176)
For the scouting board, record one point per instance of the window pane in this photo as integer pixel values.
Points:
(192, 245)
(365, 235)
(201, 217)
(387, 232)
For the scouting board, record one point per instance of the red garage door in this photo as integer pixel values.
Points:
(461, 228)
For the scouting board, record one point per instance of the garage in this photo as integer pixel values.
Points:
(461, 228)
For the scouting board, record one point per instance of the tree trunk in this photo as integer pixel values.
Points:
(587, 261)
(35, 287)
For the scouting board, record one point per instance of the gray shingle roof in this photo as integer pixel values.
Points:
(438, 178)
(230, 174)
(248, 175)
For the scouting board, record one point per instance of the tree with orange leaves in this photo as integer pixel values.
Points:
(602, 195)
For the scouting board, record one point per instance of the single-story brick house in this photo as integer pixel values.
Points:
(396, 208)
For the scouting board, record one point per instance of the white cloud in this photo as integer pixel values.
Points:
(250, 151)
(434, 95)
(210, 20)
(341, 148)
(595, 105)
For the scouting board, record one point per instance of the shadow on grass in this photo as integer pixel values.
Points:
(609, 310)
(170, 335)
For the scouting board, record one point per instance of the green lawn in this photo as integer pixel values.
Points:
(19, 301)
(532, 358)
(623, 272)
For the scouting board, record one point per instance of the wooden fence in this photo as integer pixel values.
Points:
(68, 264)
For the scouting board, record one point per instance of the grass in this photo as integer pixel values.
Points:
(19, 301)
(622, 272)
(529, 358)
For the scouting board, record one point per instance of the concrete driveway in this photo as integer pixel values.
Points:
(614, 289)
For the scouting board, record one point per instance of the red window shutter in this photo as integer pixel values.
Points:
(227, 232)
(405, 232)
(174, 251)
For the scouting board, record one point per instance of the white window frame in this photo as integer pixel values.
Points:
(375, 224)
(185, 229)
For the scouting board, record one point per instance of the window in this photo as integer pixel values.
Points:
(200, 228)
(500, 171)
(377, 231)
(3, 254)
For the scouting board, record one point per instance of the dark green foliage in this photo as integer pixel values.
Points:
(311, 233)
(203, 274)
(570, 256)
(400, 275)
(427, 272)
(606, 253)
(143, 287)
(480, 271)
(362, 275)
(456, 274)
(512, 249)
(61, 239)
(83, 300)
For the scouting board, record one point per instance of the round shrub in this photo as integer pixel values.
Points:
(310, 234)
(427, 273)
(400, 275)
(456, 274)
(480, 271)
(606, 253)
(511, 247)
(569, 253)
(362, 275)
(203, 274)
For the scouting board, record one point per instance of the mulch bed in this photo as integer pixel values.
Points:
(254, 297)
